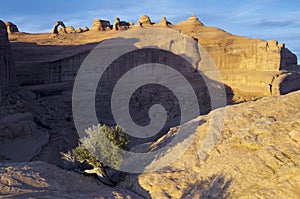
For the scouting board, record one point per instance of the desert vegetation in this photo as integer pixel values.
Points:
(85, 158)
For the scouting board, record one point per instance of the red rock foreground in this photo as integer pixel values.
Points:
(257, 155)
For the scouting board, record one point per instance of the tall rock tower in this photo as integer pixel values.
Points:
(7, 71)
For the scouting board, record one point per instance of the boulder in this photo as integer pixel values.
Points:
(11, 28)
(7, 64)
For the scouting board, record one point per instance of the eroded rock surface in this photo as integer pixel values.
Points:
(252, 68)
(40, 180)
(256, 155)
(144, 21)
(99, 25)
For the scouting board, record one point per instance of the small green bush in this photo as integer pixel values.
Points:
(95, 144)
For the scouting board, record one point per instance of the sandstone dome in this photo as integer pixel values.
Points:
(193, 20)
(144, 20)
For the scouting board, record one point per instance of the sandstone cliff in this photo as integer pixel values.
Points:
(252, 68)
(7, 64)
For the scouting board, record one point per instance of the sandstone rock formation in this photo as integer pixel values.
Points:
(100, 25)
(257, 154)
(7, 64)
(84, 29)
(57, 24)
(11, 28)
(117, 24)
(144, 21)
(131, 24)
(39, 180)
(70, 29)
(79, 30)
(164, 22)
(192, 21)
(252, 68)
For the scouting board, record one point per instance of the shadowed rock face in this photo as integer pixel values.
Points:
(11, 28)
(7, 64)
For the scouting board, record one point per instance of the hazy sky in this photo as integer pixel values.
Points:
(265, 19)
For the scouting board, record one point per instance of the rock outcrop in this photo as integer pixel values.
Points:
(78, 30)
(252, 68)
(144, 21)
(192, 21)
(99, 25)
(117, 24)
(70, 29)
(40, 180)
(7, 64)
(257, 154)
(57, 24)
(11, 28)
(84, 29)
(164, 22)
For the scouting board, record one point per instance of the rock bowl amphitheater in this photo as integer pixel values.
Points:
(257, 154)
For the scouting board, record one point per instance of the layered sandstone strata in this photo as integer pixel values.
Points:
(251, 67)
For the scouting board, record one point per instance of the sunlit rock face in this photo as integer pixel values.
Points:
(11, 27)
(256, 154)
(251, 67)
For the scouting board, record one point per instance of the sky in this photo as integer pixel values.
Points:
(264, 19)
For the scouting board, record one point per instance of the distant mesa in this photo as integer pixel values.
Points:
(193, 20)
(11, 28)
(99, 25)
